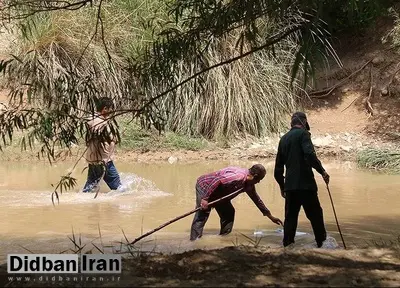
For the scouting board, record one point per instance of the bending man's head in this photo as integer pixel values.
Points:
(257, 173)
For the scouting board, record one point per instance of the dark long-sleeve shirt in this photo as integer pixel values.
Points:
(296, 152)
(226, 181)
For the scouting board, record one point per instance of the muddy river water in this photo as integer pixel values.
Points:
(367, 205)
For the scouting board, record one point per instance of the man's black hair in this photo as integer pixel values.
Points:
(258, 170)
(104, 102)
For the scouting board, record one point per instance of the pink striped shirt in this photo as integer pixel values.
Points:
(226, 181)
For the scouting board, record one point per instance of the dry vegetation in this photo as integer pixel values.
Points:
(251, 96)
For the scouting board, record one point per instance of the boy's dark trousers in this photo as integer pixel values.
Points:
(106, 171)
(312, 208)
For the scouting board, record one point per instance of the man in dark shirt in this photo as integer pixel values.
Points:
(298, 187)
(215, 185)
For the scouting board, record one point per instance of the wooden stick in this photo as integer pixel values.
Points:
(334, 212)
(351, 103)
(368, 105)
(98, 183)
(329, 90)
(186, 214)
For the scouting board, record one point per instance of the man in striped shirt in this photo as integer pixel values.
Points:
(221, 183)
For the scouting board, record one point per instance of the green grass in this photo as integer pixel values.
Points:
(174, 140)
(384, 160)
(133, 137)
(14, 151)
(151, 140)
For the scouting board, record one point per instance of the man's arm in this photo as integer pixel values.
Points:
(309, 153)
(280, 168)
(251, 191)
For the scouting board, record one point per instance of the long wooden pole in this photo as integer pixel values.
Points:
(334, 212)
(186, 214)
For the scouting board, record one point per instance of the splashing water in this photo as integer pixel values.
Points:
(304, 240)
(133, 186)
(329, 243)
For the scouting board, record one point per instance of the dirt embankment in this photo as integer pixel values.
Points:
(336, 146)
(245, 266)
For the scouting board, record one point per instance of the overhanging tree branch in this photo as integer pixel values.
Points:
(9, 7)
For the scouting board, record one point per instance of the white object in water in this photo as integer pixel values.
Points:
(279, 230)
(172, 159)
(298, 233)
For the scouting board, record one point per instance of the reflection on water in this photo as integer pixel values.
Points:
(366, 204)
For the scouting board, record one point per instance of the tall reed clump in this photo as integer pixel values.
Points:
(59, 45)
(50, 50)
(249, 96)
(380, 159)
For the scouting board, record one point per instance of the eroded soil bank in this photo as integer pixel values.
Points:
(244, 266)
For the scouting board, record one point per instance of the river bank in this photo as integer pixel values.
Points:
(342, 146)
(245, 266)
